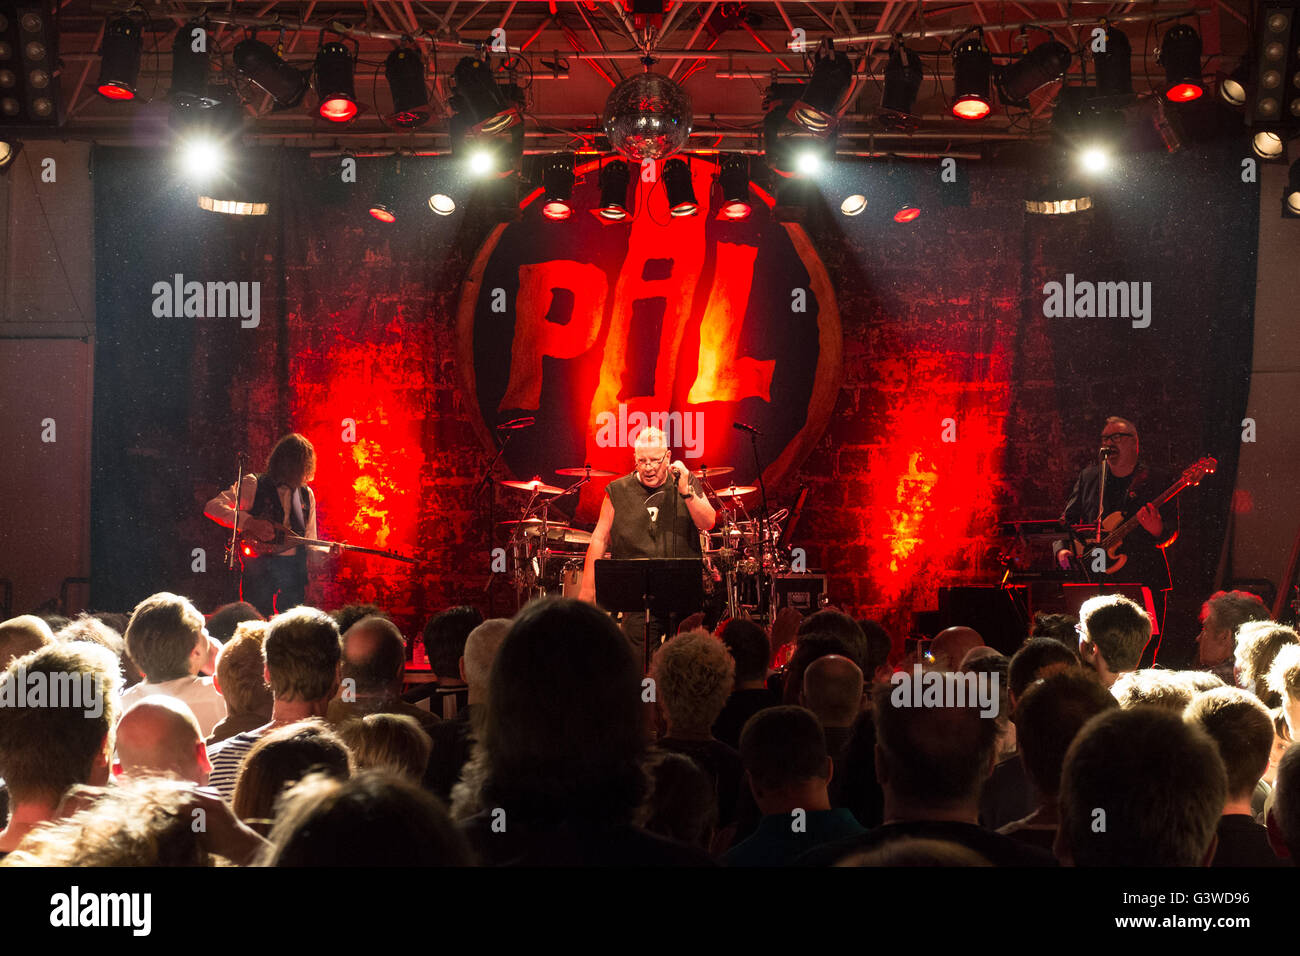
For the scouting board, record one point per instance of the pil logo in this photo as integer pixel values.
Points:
(596, 329)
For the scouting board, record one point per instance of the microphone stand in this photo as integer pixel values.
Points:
(487, 482)
(766, 531)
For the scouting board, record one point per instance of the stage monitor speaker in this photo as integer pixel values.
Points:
(998, 614)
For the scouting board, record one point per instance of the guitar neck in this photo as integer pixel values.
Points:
(1122, 530)
(295, 541)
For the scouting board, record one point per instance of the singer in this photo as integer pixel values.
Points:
(1130, 485)
(647, 515)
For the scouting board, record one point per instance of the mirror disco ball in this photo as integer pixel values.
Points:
(648, 116)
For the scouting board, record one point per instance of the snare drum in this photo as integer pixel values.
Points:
(571, 578)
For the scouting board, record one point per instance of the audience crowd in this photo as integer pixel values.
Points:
(305, 740)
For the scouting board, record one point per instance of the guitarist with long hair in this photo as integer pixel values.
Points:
(278, 497)
(1130, 488)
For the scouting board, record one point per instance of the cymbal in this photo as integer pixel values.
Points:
(714, 472)
(555, 531)
(735, 491)
(534, 485)
(582, 472)
(536, 523)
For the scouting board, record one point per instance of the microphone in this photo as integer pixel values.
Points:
(517, 423)
(1108, 451)
(742, 427)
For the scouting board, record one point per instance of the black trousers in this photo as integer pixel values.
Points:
(275, 583)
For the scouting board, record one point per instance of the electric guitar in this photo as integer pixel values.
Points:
(285, 539)
(1117, 527)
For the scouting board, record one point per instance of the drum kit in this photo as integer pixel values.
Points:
(742, 553)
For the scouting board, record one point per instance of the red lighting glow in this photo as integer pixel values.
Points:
(382, 214)
(115, 92)
(907, 214)
(970, 108)
(1183, 92)
(338, 109)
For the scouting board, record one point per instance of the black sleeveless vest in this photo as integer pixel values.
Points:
(651, 522)
(266, 504)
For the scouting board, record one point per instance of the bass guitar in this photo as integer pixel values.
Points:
(1115, 526)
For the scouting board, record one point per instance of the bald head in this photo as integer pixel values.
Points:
(160, 735)
(374, 656)
(951, 646)
(832, 689)
(22, 635)
(480, 651)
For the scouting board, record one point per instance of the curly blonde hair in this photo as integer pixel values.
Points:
(1258, 643)
(1284, 674)
(694, 676)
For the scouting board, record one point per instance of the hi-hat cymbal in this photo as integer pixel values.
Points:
(583, 471)
(735, 491)
(534, 485)
(714, 472)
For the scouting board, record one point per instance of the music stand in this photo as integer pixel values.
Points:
(664, 587)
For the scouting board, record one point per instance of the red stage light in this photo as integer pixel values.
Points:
(907, 214)
(970, 108)
(557, 209)
(115, 92)
(248, 552)
(338, 109)
(383, 214)
(736, 210)
(1183, 93)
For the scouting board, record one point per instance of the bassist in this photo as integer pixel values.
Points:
(280, 496)
(1130, 487)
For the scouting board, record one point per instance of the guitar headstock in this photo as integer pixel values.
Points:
(1193, 474)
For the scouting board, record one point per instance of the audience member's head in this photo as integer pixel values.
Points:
(349, 614)
(916, 851)
(829, 622)
(783, 750)
(805, 652)
(166, 638)
(481, 649)
(280, 759)
(1037, 658)
(747, 643)
(1049, 716)
(1243, 730)
(1154, 687)
(1057, 627)
(832, 689)
(931, 760)
(144, 821)
(995, 666)
(46, 746)
(1281, 741)
(372, 819)
(303, 655)
(22, 635)
(1257, 645)
(444, 640)
(1284, 680)
(374, 659)
(1221, 615)
(682, 804)
(1286, 803)
(1140, 788)
(223, 621)
(879, 646)
(561, 734)
(1114, 632)
(92, 630)
(951, 645)
(241, 671)
(393, 742)
(693, 675)
(159, 735)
